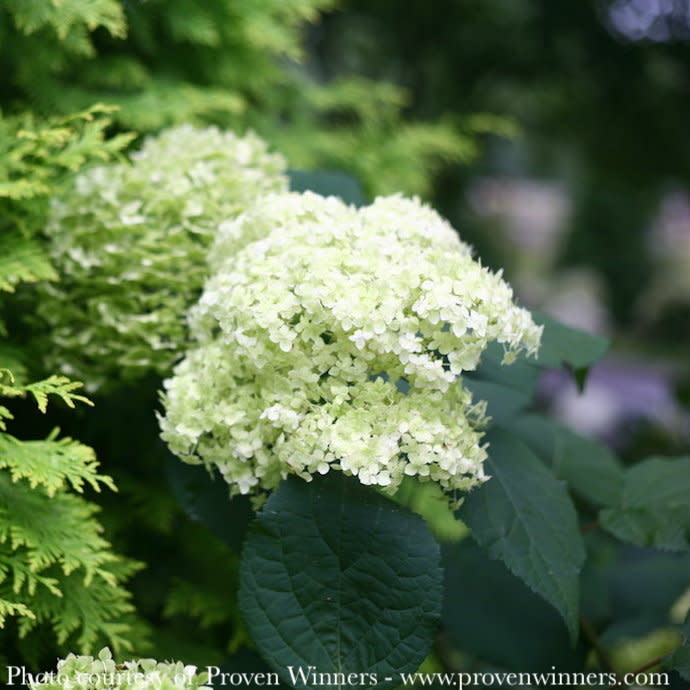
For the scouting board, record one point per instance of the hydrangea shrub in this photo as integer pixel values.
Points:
(333, 359)
(129, 242)
(335, 578)
(331, 337)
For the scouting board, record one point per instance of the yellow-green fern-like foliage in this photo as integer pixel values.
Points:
(34, 160)
(225, 62)
(55, 566)
(57, 571)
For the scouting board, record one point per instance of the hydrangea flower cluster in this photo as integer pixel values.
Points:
(332, 337)
(102, 673)
(130, 242)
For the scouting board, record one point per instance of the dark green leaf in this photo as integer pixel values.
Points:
(503, 403)
(338, 577)
(328, 183)
(562, 345)
(521, 375)
(524, 517)
(537, 432)
(591, 470)
(206, 499)
(508, 389)
(654, 509)
(494, 616)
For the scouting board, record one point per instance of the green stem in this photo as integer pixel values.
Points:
(591, 635)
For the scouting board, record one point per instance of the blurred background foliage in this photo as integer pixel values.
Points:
(586, 206)
(574, 116)
(233, 63)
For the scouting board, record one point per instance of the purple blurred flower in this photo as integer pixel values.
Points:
(651, 20)
(618, 393)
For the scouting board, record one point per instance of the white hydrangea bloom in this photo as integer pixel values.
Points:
(331, 337)
(102, 673)
(130, 241)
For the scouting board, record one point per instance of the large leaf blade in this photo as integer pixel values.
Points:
(524, 517)
(337, 577)
(654, 509)
(562, 345)
(493, 615)
(591, 470)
